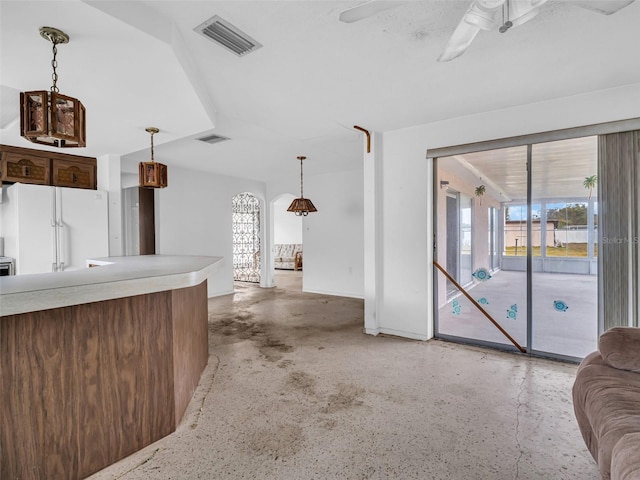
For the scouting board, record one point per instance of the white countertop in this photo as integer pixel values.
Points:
(117, 277)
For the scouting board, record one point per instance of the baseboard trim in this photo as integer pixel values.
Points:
(404, 334)
(335, 294)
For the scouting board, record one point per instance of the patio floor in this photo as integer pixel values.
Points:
(570, 331)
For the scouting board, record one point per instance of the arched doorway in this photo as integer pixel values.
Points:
(246, 238)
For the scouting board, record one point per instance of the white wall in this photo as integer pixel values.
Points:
(405, 290)
(194, 218)
(109, 179)
(333, 237)
(287, 227)
(406, 207)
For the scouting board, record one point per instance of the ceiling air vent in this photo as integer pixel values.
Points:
(228, 36)
(213, 139)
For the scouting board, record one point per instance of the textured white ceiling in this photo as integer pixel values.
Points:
(136, 64)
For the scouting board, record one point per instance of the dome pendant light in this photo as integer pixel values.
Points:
(301, 206)
(51, 118)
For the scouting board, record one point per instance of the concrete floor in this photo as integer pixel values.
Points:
(295, 390)
(573, 332)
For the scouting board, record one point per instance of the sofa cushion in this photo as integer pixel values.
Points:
(620, 348)
(625, 461)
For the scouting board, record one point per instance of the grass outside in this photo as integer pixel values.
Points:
(569, 250)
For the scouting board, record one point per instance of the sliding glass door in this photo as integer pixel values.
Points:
(478, 300)
(521, 265)
(564, 297)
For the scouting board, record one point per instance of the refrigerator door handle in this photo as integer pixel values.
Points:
(62, 245)
(55, 256)
(54, 243)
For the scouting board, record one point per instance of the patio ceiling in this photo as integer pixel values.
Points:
(558, 169)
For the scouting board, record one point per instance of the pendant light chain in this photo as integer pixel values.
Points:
(301, 182)
(152, 147)
(152, 131)
(54, 65)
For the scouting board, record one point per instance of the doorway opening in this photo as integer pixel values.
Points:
(287, 245)
(139, 230)
(246, 238)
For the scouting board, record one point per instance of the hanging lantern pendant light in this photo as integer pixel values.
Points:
(51, 118)
(301, 206)
(152, 174)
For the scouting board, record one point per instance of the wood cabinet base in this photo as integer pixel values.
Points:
(86, 385)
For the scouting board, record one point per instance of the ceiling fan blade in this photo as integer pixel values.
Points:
(480, 15)
(366, 9)
(459, 41)
(606, 7)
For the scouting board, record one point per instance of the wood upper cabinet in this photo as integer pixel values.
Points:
(28, 165)
(65, 173)
(18, 167)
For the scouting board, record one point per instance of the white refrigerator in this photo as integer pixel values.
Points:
(53, 229)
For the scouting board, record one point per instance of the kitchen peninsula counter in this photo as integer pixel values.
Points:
(116, 277)
(100, 362)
